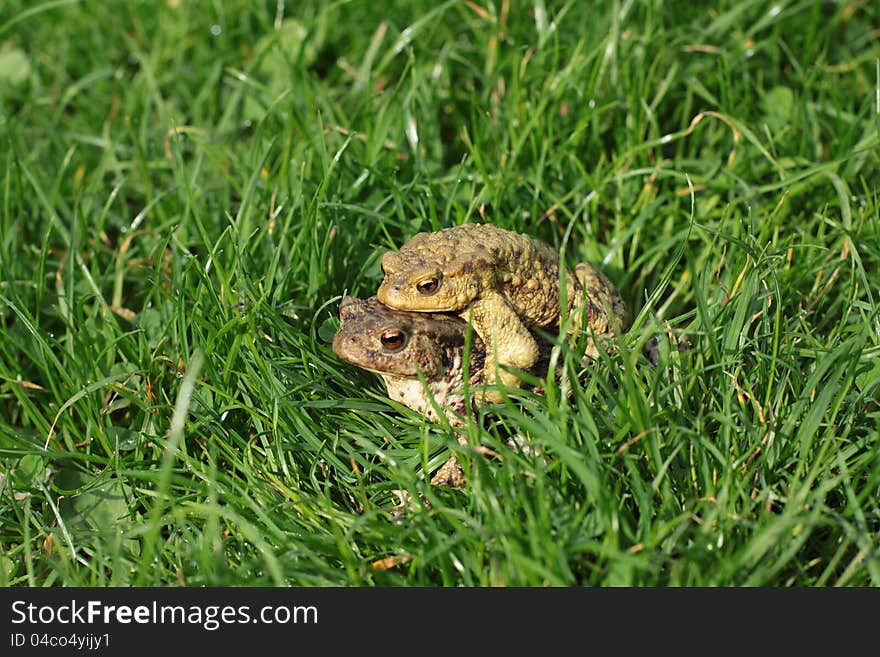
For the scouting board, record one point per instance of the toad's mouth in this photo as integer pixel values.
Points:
(386, 373)
(419, 305)
(396, 297)
(397, 375)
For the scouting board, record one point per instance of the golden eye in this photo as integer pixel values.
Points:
(393, 340)
(428, 286)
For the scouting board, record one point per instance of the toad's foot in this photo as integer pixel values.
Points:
(449, 474)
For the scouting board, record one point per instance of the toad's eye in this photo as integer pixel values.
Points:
(428, 286)
(393, 340)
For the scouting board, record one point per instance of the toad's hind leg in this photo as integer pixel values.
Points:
(508, 341)
(601, 310)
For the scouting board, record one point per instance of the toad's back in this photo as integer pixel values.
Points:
(475, 259)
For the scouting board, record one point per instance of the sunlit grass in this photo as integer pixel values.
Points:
(185, 195)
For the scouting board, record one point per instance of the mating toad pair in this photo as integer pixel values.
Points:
(504, 283)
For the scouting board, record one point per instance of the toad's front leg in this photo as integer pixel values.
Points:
(508, 341)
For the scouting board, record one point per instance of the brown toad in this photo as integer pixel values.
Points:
(505, 283)
(398, 345)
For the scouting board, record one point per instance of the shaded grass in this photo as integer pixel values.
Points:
(185, 199)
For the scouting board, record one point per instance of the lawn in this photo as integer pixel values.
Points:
(187, 190)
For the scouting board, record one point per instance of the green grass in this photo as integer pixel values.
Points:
(188, 188)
